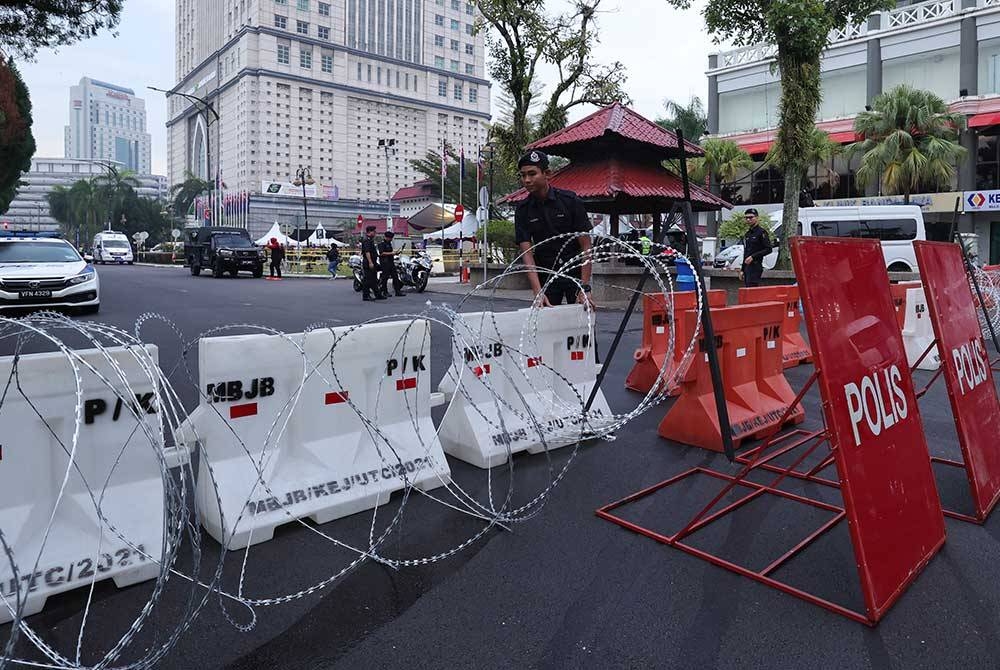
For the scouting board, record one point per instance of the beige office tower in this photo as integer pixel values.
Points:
(311, 83)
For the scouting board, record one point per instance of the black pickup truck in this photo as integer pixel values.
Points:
(222, 250)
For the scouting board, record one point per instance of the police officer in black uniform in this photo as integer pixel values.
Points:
(387, 261)
(545, 214)
(756, 245)
(369, 260)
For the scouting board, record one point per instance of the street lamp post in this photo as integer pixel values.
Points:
(303, 176)
(389, 145)
(206, 108)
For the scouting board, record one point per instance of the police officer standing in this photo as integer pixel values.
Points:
(539, 221)
(369, 260)
(756, 245)
(387, 260)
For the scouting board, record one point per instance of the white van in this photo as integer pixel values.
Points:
(112, 247)
(895, 225)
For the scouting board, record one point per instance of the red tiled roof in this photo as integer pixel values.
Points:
(616, 120)
(421, 189)
(399, 224)
(613, 178)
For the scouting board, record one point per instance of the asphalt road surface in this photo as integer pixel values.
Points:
(564, 589)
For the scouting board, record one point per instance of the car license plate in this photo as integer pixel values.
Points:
(34, 294)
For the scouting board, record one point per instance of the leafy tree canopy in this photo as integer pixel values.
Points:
(29, 25)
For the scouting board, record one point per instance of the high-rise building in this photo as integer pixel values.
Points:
(314, 83)
(107, 122)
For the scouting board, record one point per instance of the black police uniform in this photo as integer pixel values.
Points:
(388, 269)
(370, 284)
(756, 245)
(538, 221)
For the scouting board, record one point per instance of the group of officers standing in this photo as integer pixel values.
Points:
(379, 264)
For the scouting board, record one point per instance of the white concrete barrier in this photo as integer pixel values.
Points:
(918, 332)
(281, 448)
(518, 382)
(108, 523)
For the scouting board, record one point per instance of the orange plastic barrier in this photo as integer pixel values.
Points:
(794, 349)
(650, 355)
(898, 292)
(757, 394)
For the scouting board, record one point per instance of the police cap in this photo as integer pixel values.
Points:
(537, 158)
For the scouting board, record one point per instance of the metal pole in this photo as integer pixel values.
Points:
(694, 257)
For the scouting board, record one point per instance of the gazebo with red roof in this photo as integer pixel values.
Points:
(616, 165)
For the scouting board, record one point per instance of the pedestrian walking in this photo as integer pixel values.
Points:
(646, 243)
(387, 261)
(277, 255)
(333, 260)
(539, 221)
(369, 260)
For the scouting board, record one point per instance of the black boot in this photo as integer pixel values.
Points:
(366, 297)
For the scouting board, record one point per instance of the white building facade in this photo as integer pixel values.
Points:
(949, 47)
(30, 208)
(317, 84)
(108, 122)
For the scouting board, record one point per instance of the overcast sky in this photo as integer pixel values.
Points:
(665, 51)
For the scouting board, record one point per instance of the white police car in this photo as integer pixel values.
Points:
(38, 270)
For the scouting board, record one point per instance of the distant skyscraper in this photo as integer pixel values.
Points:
(107, 122)
(319, 83)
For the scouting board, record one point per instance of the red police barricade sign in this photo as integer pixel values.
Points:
(875, 432)
(967, 371)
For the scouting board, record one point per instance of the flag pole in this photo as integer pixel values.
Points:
(461, 179)
(444, 171)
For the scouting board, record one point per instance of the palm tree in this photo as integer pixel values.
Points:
(87, 207)
(910, 141)
(723, 161)
(691, 119)
(185, 193)
(819, 152)
(116, 186)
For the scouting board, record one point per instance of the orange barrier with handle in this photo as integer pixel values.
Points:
(649, 357)
(757, 394)
(898, 292)
(794, 349)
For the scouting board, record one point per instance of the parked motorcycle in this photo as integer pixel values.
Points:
(413, 271)
(357, 268)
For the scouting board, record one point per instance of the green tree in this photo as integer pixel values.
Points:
(736, 226)
(819, 150)
(116, 186)
(430, 168)
(29, 25)
(185, 193)
(17, 144)
(800, 29)
(521, 36)
(910, 141)
(723, 162)
(690, 118)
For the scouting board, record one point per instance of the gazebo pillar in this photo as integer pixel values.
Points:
(614, 225)
(656, 227)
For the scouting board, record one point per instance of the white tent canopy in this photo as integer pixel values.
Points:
(276, 233)
(468, 228)
(321, 238)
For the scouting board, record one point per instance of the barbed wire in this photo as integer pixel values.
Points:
(546, 405)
